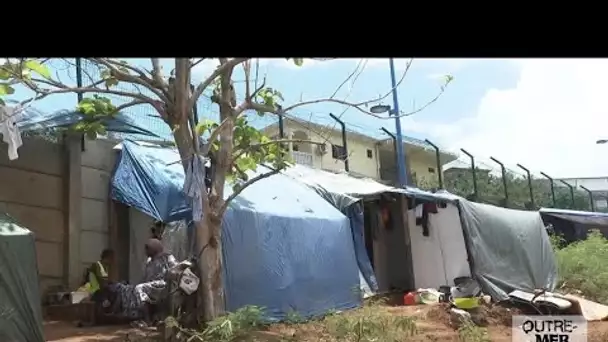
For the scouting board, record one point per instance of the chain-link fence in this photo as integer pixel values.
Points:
(143, 115)
(488, 185)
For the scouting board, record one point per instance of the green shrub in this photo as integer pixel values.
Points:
(583, 266)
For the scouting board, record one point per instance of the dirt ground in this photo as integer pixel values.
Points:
(56, 331)
(432, 323)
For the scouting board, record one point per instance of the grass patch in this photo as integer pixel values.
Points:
(469, 332)
(583, 266)
(368, 324)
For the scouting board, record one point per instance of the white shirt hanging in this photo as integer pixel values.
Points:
(9, 130)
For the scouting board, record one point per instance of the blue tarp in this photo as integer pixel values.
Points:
(285, 247)
(574, 225)
(32, 119)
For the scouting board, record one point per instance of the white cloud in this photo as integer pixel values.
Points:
(548, 122)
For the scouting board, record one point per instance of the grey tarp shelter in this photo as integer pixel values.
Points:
(507, 249)
(20, 311)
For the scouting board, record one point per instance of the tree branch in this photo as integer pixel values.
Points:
(348, 78)
(248, 100)
(357, 106)
(197, 62)
(157, 73)
(142, 80)
(213, 137)
(229, 64)
(240, 189)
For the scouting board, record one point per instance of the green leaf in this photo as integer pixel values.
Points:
(4, 73)
(298, 61)
(91, 135)
(6, 89)
(38, 68)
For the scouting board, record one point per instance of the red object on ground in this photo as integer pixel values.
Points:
(409, 299)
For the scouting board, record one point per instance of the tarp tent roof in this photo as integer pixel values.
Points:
(509, 249)
(285, 248)
(32, 119)
(583, 217)
(342, 189)
(20, 312)
(575, 225)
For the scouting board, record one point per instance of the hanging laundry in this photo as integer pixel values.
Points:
(9, 130)
(194, 183)
(422, 215)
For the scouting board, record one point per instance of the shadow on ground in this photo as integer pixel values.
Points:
(56, 331)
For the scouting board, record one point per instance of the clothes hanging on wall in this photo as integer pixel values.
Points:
(422, 215)
(9, 130)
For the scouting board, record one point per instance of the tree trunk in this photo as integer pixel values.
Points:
(210, 266)
(208, 239)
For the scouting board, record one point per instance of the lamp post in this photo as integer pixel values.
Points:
(402, 176)
(398, 139)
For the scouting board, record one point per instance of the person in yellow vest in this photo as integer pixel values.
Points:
(97, 276)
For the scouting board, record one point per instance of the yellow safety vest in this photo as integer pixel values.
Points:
(93, 284)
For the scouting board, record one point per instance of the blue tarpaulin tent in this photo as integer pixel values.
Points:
(32, 119)
(574, 225)
(285, 248)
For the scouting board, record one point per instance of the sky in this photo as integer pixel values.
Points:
(545, 114)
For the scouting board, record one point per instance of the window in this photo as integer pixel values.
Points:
(431, 170)
(369, 154)
(338, 152)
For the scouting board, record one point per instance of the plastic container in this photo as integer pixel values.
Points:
(410, 299)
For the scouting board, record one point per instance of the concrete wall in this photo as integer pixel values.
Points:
(97, 163)
(35, 190)
(31, 191)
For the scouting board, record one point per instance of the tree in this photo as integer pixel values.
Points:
(233, 146)
(490, 190)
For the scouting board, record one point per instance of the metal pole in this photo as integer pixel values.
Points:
(529, 183)
(473, 171)
(401, 164)
(281, 127)
(79, 95)
(590, 197)
(552, 188)
(438, 157)
(571, 193)
(504, 178)
(343, 126)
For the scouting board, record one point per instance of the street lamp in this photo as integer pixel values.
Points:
(402, 176)
(379, 109)
(401, 170)
(601, 141)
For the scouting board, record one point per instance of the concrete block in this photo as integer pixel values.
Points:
(94, 215)
(98, 154)
(24, 187)
(50, 259)
(95, 183)
(36, 155)
(91, 245)
(46, 224)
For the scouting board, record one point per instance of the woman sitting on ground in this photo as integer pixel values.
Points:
(136, 299)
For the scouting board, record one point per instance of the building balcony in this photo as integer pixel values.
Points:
(302, 158)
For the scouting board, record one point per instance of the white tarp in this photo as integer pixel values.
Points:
(441, 256)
